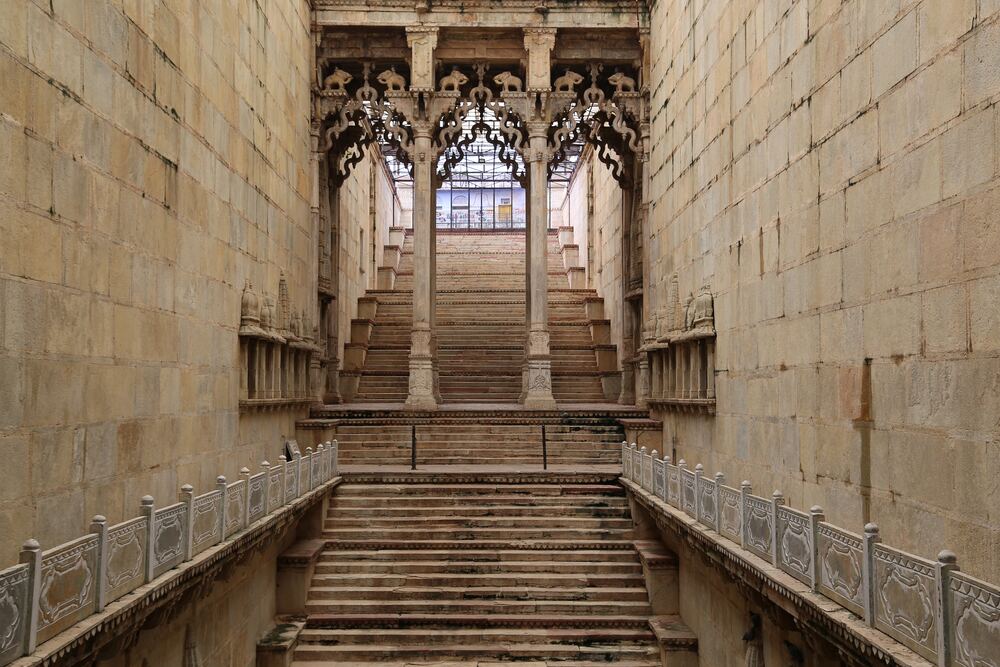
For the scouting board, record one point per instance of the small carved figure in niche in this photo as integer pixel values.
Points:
(688, 312)
(391, 80)
(337, 81)
(452, 82)
(508, 82)
(622, 83)
(701, 311)
(755, 643)
(568, 81)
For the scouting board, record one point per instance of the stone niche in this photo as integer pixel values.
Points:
(682, 359)
(277, 349)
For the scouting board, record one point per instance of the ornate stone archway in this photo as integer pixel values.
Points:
(543, 106)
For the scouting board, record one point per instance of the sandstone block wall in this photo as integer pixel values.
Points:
(830, 169)
(155, 155)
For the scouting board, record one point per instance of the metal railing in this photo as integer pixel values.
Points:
(53, 589)
(931, 607)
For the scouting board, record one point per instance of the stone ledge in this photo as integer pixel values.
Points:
(672, 634)
(654, 556)
(119, 625)
(837, 625)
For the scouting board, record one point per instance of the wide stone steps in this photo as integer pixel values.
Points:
(478, 571)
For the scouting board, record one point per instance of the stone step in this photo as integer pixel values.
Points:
(395, 605)
(451, 521)
(475, 582)
(351, 592)
(432, 651)
(368, 567)
(408, 636)
(500, 556)
(574, 512)
(358, 499)
(458, 533)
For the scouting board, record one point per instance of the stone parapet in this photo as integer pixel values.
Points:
(72, 600)
(926, 612)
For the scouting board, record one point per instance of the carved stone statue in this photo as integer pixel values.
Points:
(337, 81)
(688, 312)
(508, 82)
(452, 82)
(568, 81)
(391, 80)
(755, 643)
(622, 83)
(701, 311)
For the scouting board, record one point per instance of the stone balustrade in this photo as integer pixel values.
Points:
(931, 607)
(53, 589)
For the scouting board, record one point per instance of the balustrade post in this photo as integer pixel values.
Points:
(777, 499)
(336, 458)
(308, 470)
(186, 496)
(99, 527)
(266, 468)
(699, 470)
(745, 490)
(283, 463)
(148, 510)
(220, 484)
(31, 554)
(720, 479)
(245, 474)
(871, 538)
(815, 517)
(947, 563)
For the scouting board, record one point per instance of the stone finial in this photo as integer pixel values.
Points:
(31, 545)
(871, 530)
(147, 500)
(778, 497)
(816, 510)
(746, 485)
(249, 311)
(699, 468)
(656, 454)
(948, 557)
(720, 479)
(244, 470)
(221, 479)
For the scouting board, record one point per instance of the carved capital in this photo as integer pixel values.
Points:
(539, 42)
(422, 41)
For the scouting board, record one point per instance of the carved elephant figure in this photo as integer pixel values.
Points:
(337, 81)
(622, 83)
(453, 81)
(508, 82)
(568, 81)
(391, 80)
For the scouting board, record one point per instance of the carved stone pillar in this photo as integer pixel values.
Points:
(538, 359)
(423, 393)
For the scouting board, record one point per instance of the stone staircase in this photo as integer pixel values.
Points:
(476, 571)
(588, 442)
(481, 325)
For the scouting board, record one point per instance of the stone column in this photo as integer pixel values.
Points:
(538, 362)
(537, 391)
(423, 367)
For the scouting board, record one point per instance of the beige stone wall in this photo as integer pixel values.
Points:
(607, 278)
(576, 213)
(155, 155)
(830, 169)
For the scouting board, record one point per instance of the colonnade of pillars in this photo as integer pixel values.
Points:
(683, 371)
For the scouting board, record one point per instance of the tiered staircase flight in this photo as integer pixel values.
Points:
(478, 572)
(480, 323)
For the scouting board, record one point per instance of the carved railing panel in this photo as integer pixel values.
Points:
(291, 480)
(757, 526)
(905, 599)
(730, 518)
(647, 472)
(126, 559)
(15, 598)
(707, 510)
(794, 543)
(659, 480)
(317, 470)
(236, 499)
(974, 622)
(68, 585)
(257, 500)
(841, 566)
(275, 490)
(674, 485)
(169, 527)
(207, 521)
(689, 498)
